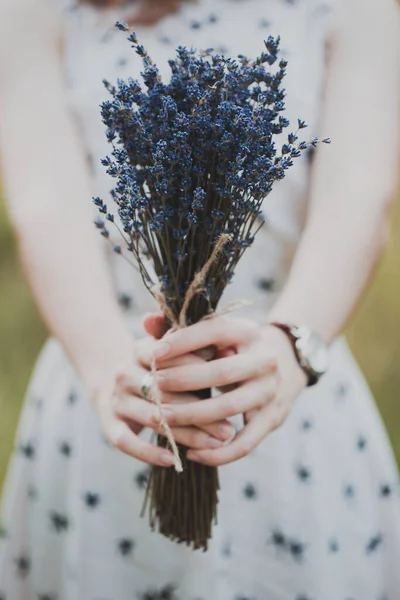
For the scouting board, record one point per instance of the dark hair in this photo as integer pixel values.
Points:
(103, 3)
(148, 13)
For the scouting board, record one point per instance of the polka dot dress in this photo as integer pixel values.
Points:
(313, 513)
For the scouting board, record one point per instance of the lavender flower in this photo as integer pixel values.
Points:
(195, 158)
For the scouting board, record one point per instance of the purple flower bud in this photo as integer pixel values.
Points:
(122, 26)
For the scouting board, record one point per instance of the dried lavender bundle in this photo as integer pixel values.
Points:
(194, 159)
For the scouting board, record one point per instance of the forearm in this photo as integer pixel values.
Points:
(354, 180)
(48, 191)
(330, 273)
(69, 281)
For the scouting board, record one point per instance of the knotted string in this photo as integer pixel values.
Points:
(195, 287)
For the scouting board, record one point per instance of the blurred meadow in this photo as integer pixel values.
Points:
(373, 335)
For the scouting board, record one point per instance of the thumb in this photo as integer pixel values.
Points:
(155, 325)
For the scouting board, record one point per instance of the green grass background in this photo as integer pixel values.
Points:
(373, 335)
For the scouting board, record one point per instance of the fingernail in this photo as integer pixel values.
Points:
(160, 377)
(193, 456)
(167, 459)
(167, 412)
(226, 431)
(168, 415)
(162, 349)
(157, 417)
(214, 443)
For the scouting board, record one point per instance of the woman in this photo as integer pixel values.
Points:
(309, 511)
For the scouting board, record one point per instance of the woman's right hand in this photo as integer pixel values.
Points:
(124, 412)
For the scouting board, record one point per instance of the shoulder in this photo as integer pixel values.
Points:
(365, 19)
(20, 17)
(28, 28)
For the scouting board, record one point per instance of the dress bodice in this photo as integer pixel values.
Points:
(94, 49)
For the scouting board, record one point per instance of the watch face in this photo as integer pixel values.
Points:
(312, 350)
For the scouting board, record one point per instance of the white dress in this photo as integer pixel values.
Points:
(313, 513)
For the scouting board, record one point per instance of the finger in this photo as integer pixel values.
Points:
(244, 443)
(138, 410)
(155, 325)
(147, 414)
(193, 437)
(219, 331)
(222, 430)
(225, 352)
(131, 381)
(121, 437)
(217, 373)
(255, 394)
(250, 414)
(144, 353)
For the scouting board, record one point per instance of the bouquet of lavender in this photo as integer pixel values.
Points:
(193, 160)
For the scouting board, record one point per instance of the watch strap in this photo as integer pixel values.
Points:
(312, 378)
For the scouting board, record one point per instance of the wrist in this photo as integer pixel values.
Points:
(287, 363)
(310, 351)
(102, 355)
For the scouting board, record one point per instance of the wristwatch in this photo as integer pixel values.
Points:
(310, 350)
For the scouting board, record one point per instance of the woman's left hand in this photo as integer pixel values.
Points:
(258, 361)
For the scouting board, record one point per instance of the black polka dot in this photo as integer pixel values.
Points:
(165, 593)
(333, 546)
(125, 301)
(72, 397)
(65, 449)
(32, 492)
(122, 62)
(92, 500)
(278, 539)
(249, 491)
(164, 39)
(27, 450)
(310, 154)
(321, 10)
(306, 425)
(90, 162)
(374, 543)
(303, 473)
(142, 477)
(385, 490)
(107, 36)
(213, 18)
(266, 284)
(264, 23)
(59, 522)
(22, 565)
(226, 550)
(361, 443)
(302, 597)
(341, 390)
(46, 597)
(349, 491)
(37, 403)
(195, 25)
(125, 546)
(297, 549)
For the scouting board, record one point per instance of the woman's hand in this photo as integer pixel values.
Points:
(124, 412)
(260, 364)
